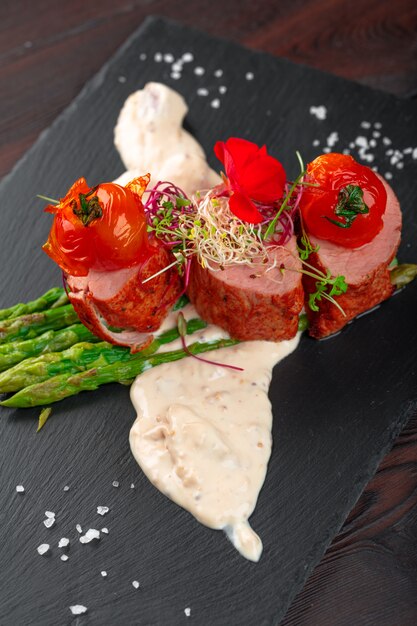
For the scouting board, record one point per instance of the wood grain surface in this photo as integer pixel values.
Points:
(49, 49)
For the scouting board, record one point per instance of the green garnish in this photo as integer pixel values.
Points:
(87, 209)
(350, 204)
(403, 274)
(305, 249)
(44, 414)
(337, 286)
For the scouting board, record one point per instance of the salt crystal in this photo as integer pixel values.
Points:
(361, 141)
(78, 609)
(168, 58)
(90, 535)
(388, 175)
(320, 112)
(407, 151)
(50, 514)
(414, 155)
(187, 57)
(103, 573)
(63, 543)
(332, 139)
(326, 149)
(222, 89)
(79, 529)
(386, 141)
(372, 143)
(142, 56)
(66, 488)
(105, 531)
(378, 125)
(365, 125)
(376, 134)
(389, 152)
(132, 485)
(351, 145)
(316, 142)
(20, 489)
(158, 57)
(64, 557)
(43, 548)
(136, 584)
(176, 67)
(187, 611)
(115, 483)
(122, 79)
(202, 91)
(49, 522)
(249, 75)
(215, 104)
(199, 71)
(175, 75)
(218, 73)
(346, 151)
(368, 158)
(102, 510)
(400, 165)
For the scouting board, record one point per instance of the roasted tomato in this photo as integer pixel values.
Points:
(101, 228)
(347, 205)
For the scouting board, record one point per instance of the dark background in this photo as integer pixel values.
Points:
(49, 49)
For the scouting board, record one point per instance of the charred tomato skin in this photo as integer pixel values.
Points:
(330, 173)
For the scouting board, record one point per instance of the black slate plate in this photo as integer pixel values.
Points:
(337, 404)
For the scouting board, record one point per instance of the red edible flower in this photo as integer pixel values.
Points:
(253, 177)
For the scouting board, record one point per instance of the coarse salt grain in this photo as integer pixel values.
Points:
(365, 125)
(132, 485)
(142, 56)
(361, 141)
(66, 488)
(332, 139)
(218, 73)
(222, 89)
(320, 112)
(50, 514)
(103, 573)
(43, 548)
(78, 609)
(168, 57)
(326, 149)
(102, 510)
(105, 531)
(63, 543)
(316, 142)
(177, 66)
(202, 91)
(414, 155)
(20, 489)
(90, 535)
(49, 522)
(386, 141)
(175, 75)
(64, 557)
(378, 125)
(199, 71)
(249, 75)
(215, 104)
(388, 175)
(79, 529)
(187, 57)
(187, 611)
(122, 79)
(136, 584)
(115, 483)
(158, 57)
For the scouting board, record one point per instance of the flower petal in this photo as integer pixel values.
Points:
(241, 206)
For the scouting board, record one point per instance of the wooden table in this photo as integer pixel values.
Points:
(49, 49)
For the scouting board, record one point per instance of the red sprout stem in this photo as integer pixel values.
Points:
(200, 358)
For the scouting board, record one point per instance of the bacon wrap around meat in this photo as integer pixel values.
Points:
(365, 270)
(254, 301)
(121, 300)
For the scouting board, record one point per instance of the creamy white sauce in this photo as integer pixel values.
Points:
(203, 434)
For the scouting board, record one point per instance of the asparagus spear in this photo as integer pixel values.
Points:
(50, 341)
(80, 357)
(65, 385)
(34, 324)
(52, 298)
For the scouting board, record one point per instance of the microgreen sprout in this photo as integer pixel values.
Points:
(182, 329)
